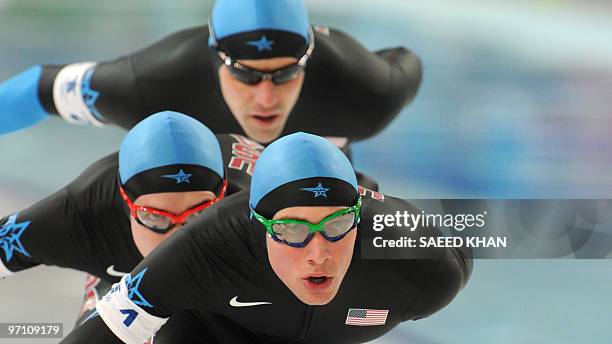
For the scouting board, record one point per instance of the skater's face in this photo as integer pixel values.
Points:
(261, 109)
(314, 272)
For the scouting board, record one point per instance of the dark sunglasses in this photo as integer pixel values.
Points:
(253, 76)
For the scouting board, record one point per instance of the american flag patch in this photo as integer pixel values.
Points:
(366, 317)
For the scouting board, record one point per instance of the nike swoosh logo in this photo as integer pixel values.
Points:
(111, 272)
(235, 303)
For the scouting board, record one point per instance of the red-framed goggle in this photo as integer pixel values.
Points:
(161, 221)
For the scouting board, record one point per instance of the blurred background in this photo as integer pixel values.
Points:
(516, 103)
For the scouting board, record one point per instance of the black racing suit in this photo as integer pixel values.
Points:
(348, 90)
(219, 262)
(85, 225)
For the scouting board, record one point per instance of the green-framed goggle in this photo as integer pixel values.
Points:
(298, 233)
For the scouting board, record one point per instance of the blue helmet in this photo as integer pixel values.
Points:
(170, 152)
(302, 170)
(252, 29)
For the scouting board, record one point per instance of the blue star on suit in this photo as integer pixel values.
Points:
(132, 284)
(10, 235)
